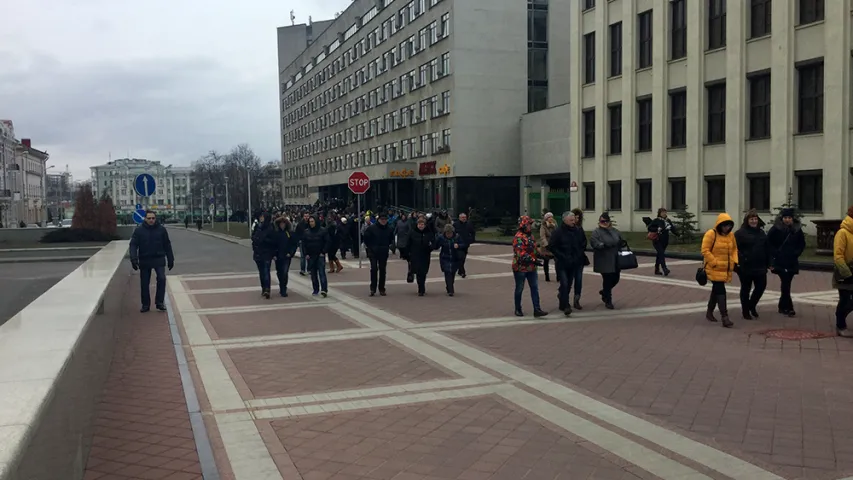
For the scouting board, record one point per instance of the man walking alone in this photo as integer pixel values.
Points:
(468, 235)
(151, 249)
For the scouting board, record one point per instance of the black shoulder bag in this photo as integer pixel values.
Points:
(701, 275)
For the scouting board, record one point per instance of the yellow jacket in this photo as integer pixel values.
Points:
(720, 251)
(842, 251)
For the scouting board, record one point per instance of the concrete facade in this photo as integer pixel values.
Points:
(752, 157)
(384, 86)
(173, 186)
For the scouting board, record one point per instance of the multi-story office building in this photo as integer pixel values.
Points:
(59, 194)
(117, 178)
(710, 105)
(424, 96)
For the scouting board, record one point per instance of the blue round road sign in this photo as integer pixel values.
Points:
(139, 215)
(139, 206)
(145, 185)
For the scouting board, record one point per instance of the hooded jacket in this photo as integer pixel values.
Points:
(753, 249)
(285, 239)
(264, 242)
(315, 241)
(787, 243)
(719, 251)
(842, 255)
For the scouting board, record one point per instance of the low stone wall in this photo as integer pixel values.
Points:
(54, 359)
(33, 235)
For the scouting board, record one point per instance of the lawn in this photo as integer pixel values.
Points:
(240, 230)
(638, 241)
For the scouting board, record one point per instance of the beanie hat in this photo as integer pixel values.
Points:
(850, 211)
(787, 212)
(548, 215)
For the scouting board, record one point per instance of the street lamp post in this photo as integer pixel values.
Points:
(249, 204)
(227, 207)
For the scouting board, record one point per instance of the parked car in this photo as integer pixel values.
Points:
(65, 223)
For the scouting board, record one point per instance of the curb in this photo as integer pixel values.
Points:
(804, 265)
(46, 259)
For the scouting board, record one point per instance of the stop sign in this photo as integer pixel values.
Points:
(358, 183)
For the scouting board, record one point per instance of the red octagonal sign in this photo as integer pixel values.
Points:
(359, 183)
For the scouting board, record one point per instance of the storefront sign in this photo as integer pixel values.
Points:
(402, 173)
(444, 169)
(426, 168)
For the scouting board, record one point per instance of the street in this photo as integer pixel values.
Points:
(22, 283)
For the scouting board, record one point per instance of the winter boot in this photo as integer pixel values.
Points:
(340, 267)
(712, 305)
(577, 303)
(724, 311)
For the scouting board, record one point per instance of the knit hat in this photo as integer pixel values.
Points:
(786, 212)
(850, 211)
(548, 216)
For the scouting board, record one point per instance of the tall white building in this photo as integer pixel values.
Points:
(173, 195)
(713, 104)
(22, 179)
(424, 96)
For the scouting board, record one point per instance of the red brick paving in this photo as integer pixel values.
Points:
(142, 428)
(326, 366)
(806, 281)
(780, 402)
(237, 282)
(277, 322)
(244, 299)
(471, 439)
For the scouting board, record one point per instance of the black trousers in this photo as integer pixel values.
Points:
(546, 262)
(608, 281)
(844, 307)
(378, 266)
(660, 255)
(752, 287)
(145, 284)
(462, 255)
(449, 280)
(786, 303)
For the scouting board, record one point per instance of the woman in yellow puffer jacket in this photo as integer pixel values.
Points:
(842, 278)
(719, 249)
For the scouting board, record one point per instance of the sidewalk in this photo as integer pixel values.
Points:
(403, 387)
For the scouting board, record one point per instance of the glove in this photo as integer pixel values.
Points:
(171, 265)
(135, 265)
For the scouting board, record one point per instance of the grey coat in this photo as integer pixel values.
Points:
(605, 244)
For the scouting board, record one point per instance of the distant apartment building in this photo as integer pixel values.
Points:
(22, 176)
(425, 96)
(59, 194)
(117, 177)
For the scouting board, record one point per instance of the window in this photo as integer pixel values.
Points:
(759, 106)
(537, 64)
(644, 125)
(616, 49)
(811, 11)
(644, 46)
(760, 23)
(678, 29)
(716, 24)
(678, 119)
(614, 195)
(537, 98)
(715, 194)
(587, 4)
(810, 191)
(810, 101)
(537, 25)
(589, 196)
(759, 192)
(589, 57)
(615, 119)
(589, 133)
(677, 194)
(644, 194)
(716, 113)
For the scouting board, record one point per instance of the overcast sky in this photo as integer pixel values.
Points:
(165, 80)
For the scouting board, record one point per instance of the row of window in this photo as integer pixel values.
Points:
(414, 114)
(436, 143)
(537, 55)
(431, 71)
(373, 39)
(810, 11)
(809, 195)
(809, 112)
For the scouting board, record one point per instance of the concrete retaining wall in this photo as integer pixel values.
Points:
(54, 360)
(33, 235)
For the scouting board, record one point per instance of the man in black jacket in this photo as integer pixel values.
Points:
(468, 235)
(150, 249)
(378, 239)
(566, 246)
(301, 226)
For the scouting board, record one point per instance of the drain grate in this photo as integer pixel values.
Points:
(792, 334)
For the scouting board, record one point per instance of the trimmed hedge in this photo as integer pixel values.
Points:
(74, 235)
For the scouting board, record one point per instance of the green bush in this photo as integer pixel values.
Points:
(75, 235)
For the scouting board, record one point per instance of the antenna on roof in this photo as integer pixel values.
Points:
(292, 18)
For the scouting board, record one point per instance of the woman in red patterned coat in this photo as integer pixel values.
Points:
(524, 263)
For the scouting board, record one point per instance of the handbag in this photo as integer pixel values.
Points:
(701, 274)
(653, 236)
(625, 259)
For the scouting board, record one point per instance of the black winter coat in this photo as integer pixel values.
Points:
(663, 227)
(567, 244)
(378, 239)
(419, 245)
(334, 237)
(287, 243)
(466, 232)
(150, 246)
(753, 250)
(786, 244)
(315, 241)
(264, 242)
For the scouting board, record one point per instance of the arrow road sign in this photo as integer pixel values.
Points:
(145, 185)
(138, 206)
(139, 215)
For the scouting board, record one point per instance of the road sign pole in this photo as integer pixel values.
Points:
(358, 224)
(249, 207)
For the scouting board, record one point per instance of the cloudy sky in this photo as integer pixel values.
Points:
(162, 79)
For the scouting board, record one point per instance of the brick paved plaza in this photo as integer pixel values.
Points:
(404, 388)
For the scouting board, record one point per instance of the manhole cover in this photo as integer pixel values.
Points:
(791, 334)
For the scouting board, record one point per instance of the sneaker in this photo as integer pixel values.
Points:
(846, 333)
(315, 294)
(303, 273)
(539, 313)
(324, 294)
(449, 294)
(420, 294)
(161, 307)
(372, 294)
(144, 309)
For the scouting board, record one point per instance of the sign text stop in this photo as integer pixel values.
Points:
(358, 183)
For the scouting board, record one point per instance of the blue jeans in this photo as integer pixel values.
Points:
(264, 273)
(145, 283)
(578, 281)
(303, 267)
(533, 280)
(317, 267)
(282, 266)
